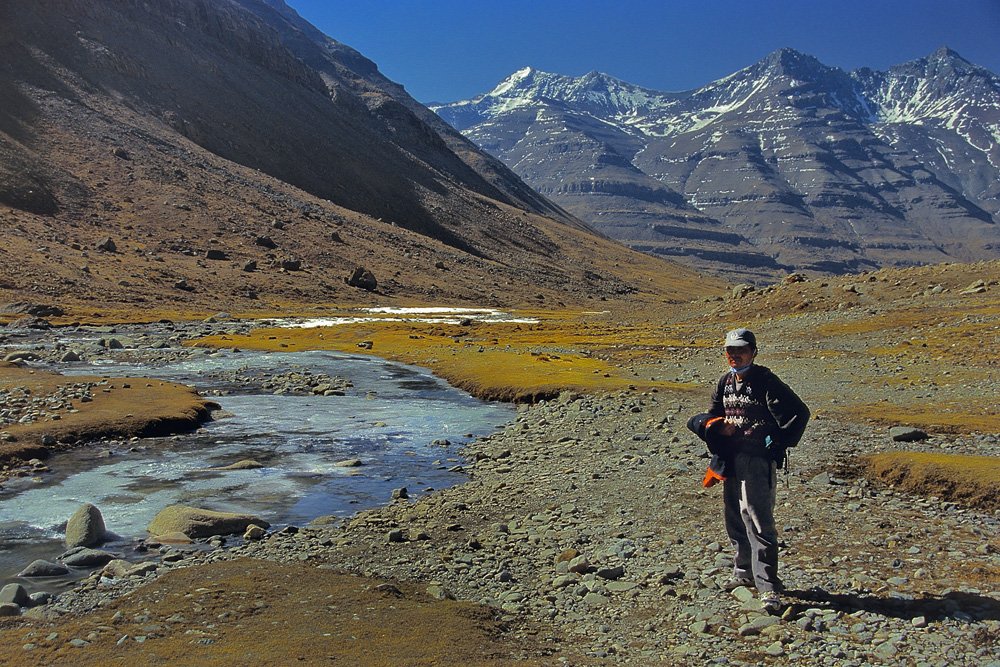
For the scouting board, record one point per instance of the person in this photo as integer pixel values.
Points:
(752, 420)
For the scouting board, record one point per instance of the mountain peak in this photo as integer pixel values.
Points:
(945, 53)
(522, 78)
(789, 62)
(943, 62)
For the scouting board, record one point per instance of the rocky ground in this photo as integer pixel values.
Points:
(586, 534)
(585, 520)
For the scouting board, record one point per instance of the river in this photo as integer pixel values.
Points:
(403, 424)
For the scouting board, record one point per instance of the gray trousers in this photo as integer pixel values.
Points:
(749, 493)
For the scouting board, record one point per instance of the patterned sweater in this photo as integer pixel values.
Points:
(760, 406)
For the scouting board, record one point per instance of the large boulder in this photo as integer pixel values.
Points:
(195, 522)
(85, 528)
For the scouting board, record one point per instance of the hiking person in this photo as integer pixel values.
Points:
(752, 420)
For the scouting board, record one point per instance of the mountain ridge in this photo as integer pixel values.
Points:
(813, 167)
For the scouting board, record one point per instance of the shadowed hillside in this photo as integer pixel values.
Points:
(195, 155)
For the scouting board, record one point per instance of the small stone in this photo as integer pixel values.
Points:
(579, 564)
(775, 649)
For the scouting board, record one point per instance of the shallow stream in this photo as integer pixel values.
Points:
(403, 424)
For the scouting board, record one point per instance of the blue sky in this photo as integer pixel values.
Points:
(446, 50)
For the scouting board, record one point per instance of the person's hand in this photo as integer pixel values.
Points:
(727, 428)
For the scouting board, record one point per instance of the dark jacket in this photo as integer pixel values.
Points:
(773, 416)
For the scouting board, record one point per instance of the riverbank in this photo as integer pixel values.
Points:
(45, 412)
(584, 529)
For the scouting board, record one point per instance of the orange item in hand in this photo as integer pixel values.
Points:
(712, 478)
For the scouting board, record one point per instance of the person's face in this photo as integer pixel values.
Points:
(740, 356)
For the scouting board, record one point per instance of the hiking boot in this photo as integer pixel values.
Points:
(736, 582)
(770, 602)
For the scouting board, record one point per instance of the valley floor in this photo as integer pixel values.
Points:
(477, 574)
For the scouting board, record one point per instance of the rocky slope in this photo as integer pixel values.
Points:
(785, 164)
(206, 156)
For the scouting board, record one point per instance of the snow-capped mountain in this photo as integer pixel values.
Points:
(785, 164)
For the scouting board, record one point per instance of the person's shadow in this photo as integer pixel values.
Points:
(951, 604)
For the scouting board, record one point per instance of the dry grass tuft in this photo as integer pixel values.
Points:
(973, 481)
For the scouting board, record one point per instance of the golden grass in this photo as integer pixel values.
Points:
(932, 416)
(121, 407)
(970, 480)
(502, 361)
(256, 612)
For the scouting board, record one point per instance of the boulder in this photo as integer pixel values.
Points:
(265, 242)
(39, 598)
(22, 356)
(30, 322)
(14, 594)
(43, 568)
(363, 278)
(977, 287)
(195, 522)
(169, 538)
(85, 528)
(33, 309)
(254, 533)
(907, 434)
(118, 569)
(87, 558)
